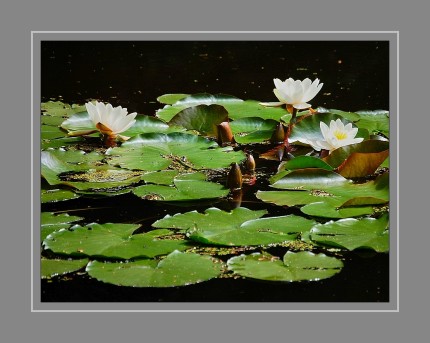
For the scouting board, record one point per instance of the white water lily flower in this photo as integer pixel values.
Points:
(110, 120)
(335, 136)
(295, 92)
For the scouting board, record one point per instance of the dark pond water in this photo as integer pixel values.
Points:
(134, 74)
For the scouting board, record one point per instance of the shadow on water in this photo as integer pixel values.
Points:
(134, 74)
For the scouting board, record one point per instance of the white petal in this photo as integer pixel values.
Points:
(312, 91)
(271, 104)
(324, 130)
(278, 83)
(306, 83)
(282, 96)
(302, 106)
(92, 112)
(348, 127)
(352, 132)
(333, 127)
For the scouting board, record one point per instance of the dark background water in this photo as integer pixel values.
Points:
(133, 74)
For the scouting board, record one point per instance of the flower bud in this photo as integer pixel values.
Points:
(234, 177)
(278, 135)
(250, 163)
(224, 133)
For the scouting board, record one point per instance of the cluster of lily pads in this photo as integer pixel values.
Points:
(331, 166)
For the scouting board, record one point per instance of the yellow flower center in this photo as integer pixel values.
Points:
(340, 135)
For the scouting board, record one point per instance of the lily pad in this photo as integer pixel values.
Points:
(201, 118)
(240, 227)
(185, 187)
(350, 233)
(252, 129)
(162, 177)
(61, 142)
(51, 222)
(300, 266)
(170, 99)
(49, 132)
(309, 178)
(374, 121)
(50, 194)
(50, 268)
(113, 241)
(331, 199)
(60, 109)
(184, 152)
(359, 160)
(236, 108)
(177, 269)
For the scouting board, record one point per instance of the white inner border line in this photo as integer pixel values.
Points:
(240, 32)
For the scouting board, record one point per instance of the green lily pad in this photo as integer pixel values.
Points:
(185, 187)
(374, 121)
(201, 118)
(299, 162)
(50, 194)
(240, 227)
(350, 233)
(309, 127)
(180, 151)
(236, 108)
(170, 99)
(50, 268)
(177, 269)
(309, 178)
(331, 199)
(114, 241)
(60, 109)
(359, 160)
(61, 142)
(51, 222)
(49, 132)
(252, 129)
(162, 177)
(300, 266)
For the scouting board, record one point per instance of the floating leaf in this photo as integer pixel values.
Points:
(202, 118)
(185, 187)
(240, 227)
(374, 121)
(235, 107)
(50, 194)
(49, 132)
(51, 222)
(300, 266)
(309, 178)
(253, 129)
(359, 160)
(60, 109)
(50, 268)
(367, 233)
(170, 99)
(332, 199)
(162, 177)
(180, 151)
(112, 241)
(61, 142)
(177, 269)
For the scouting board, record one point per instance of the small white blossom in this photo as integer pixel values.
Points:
(110, 120)
(335, 136)
(295, 92)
